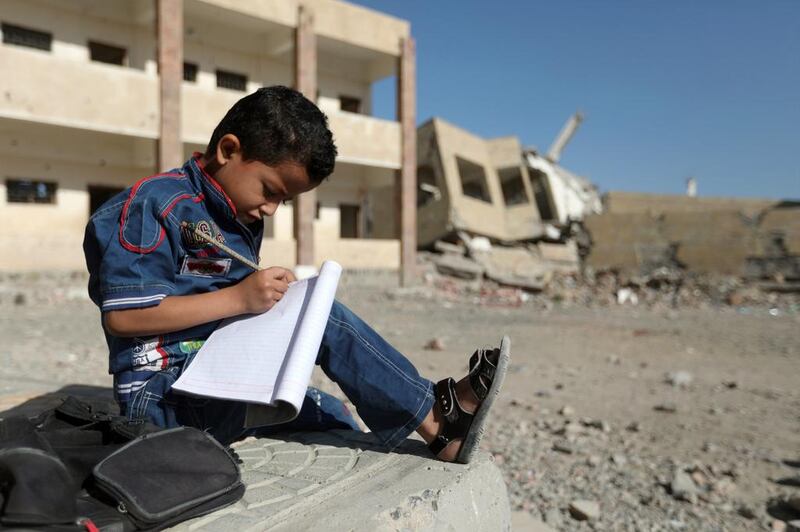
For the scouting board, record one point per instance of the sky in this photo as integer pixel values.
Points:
(708, 89)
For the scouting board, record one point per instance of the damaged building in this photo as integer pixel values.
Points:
(511, 207)
(494, 187)
(561, 196)
(754, 238)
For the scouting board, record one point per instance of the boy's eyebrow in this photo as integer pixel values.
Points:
(280, 188)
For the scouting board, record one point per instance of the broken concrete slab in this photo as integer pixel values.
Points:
(784, 288)
(514, 266)
(458, 266)
(771, 267)
(562, 257)
(341, 480)
(446, 247)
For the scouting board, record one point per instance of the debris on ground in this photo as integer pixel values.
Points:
(733, 431)
(511, 276)
(435, 344)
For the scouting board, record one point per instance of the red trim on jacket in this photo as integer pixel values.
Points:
(197, 199)
(198, 158)
(127, 245)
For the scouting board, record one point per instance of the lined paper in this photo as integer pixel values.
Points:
(268, 358)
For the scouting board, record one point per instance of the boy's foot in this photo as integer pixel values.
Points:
(460, 410)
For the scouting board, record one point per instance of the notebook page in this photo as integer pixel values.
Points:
(299, 365)
(243, 357)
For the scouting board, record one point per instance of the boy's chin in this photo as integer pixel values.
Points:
(247, 219)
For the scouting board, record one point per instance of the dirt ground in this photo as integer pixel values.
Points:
(587, 413)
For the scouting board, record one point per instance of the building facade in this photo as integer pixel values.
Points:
(99, 93)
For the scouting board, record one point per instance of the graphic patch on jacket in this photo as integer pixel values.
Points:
(205, 267)
(192, 241)
(149, 354)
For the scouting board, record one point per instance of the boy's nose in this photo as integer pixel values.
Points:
(269, 208)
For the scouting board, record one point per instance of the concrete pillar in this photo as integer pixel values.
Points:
(406, 177)
(305, 81)
(169, 18)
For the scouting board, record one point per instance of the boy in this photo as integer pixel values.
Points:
(162, 291)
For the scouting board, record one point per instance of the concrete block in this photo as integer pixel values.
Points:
(341, 480)
(337, 480)
(457, 266)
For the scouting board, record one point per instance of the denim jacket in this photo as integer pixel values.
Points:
(140, 247)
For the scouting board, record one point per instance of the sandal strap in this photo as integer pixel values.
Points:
(481, 373)
(456, 420)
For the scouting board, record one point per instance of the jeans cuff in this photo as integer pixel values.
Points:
(391, 441)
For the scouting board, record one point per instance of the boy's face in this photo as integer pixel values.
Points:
(257, 189)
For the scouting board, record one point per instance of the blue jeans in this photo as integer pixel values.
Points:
(386, 389)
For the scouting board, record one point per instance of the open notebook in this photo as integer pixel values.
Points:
(267, 359)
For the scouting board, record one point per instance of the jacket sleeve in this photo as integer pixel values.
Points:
(129, 256)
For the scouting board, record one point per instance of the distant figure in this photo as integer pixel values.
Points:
(691, 187)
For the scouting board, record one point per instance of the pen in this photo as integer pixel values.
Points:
(226, 249)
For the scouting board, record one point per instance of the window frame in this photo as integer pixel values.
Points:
(193, 68)
(221, 73)
(50, 197)
(9, 30)
(520, 178)
(104, 47)
(467, 192)
(345, 100)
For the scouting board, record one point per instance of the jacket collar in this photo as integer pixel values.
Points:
(212, 191)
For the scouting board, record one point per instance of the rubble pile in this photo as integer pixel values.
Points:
(480, 279)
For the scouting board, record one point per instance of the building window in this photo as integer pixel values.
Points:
(427, 191)
(473, 180)
(99, 194)
(190, 72)
(541, 193)
(350, 104)
(512, 185)
(107, 53)
(20, 36)
(30, 191)
(349, 221)
(231, 80)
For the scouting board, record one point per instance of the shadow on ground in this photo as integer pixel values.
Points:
(102, 399)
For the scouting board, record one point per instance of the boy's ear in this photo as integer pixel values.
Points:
(228, 147)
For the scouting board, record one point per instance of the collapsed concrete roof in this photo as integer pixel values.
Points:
(491, 187)
(564, 196)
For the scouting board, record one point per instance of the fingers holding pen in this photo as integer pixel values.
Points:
(261, 290)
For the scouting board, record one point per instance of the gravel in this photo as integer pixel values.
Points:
(729, 440)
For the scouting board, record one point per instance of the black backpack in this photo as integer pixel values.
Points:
(77, 467)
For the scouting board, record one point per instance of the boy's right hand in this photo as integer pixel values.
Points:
(260, 290)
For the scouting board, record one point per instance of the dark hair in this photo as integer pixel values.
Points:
(279, 124)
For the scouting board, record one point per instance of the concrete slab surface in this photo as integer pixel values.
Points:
(340, 480)
(337, 480)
